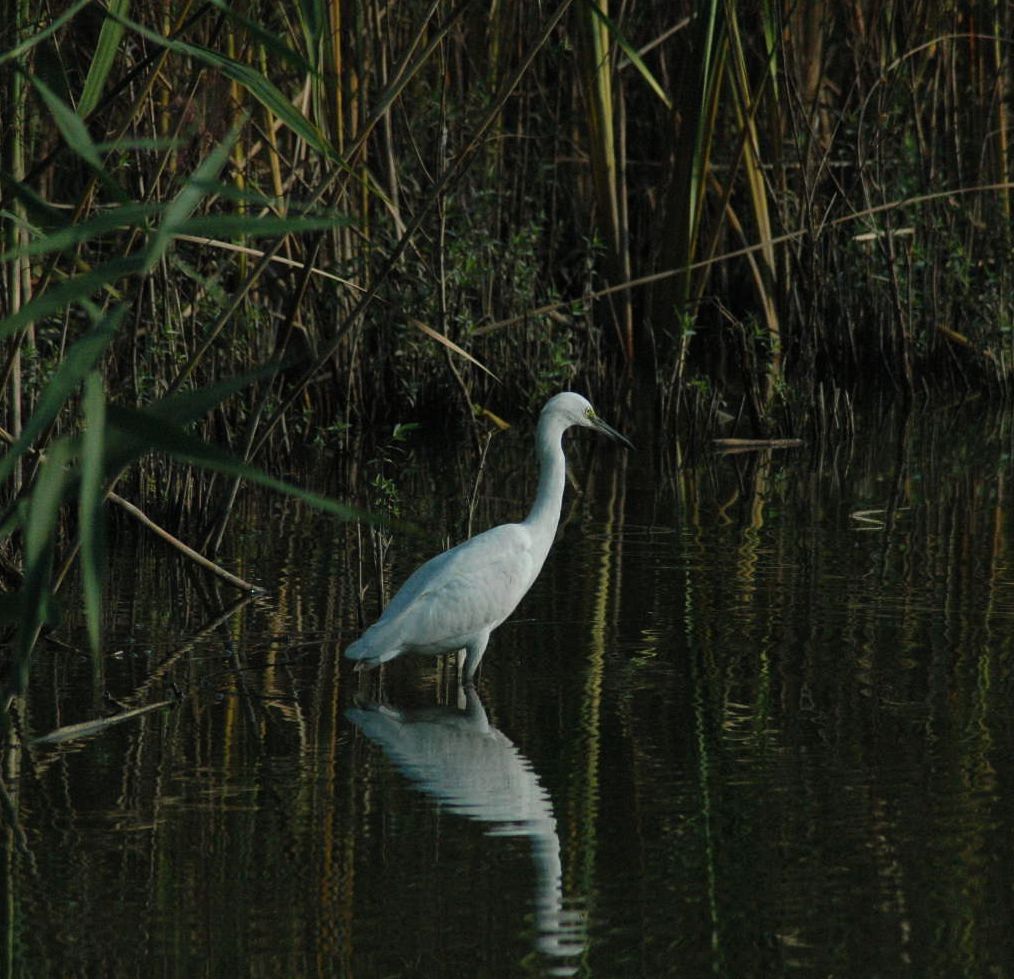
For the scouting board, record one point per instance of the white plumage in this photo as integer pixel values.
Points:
(456, 599)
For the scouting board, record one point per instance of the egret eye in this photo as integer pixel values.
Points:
(589, 412)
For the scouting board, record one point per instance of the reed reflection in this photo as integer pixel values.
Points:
(455, 756)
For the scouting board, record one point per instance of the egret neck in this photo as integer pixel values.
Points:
(544, 516)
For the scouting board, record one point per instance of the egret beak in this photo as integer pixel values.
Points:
(611, 432)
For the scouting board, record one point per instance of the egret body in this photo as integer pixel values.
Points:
(456, 599)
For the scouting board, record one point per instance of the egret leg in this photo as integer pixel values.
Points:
(473, 656)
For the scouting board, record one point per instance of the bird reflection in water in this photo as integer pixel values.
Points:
(454, 755)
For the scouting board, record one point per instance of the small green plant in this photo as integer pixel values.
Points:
(384, 496)
(403, 430)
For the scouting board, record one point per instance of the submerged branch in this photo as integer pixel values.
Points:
(194, 556)
(88, 728)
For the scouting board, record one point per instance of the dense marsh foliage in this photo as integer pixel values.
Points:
(257, 225)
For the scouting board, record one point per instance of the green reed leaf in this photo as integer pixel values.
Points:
(76, 289)
(90, 513)
(151, 432)
(103, 58)
(78, 362)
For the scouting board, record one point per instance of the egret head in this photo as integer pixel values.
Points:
(571, 409)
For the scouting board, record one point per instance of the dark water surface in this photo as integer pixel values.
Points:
(755, 718)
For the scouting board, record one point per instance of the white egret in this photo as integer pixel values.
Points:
(456, 599)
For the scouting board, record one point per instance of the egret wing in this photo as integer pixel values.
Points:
(468, 589)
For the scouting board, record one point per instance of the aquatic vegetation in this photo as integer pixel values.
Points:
(358, 211)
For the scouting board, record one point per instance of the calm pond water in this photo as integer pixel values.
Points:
(755, 718)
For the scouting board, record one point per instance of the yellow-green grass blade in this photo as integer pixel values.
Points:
(630, 51)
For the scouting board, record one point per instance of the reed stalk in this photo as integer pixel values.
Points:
(18, 277)
(596, 65)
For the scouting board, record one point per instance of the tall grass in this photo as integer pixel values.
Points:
(636, 142)
(369, 211)
(81, 301)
